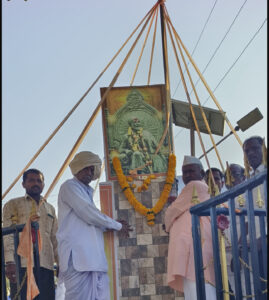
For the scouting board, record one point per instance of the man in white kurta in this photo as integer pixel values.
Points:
(82, 260)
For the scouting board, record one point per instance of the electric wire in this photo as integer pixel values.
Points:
(245, 48)
(222, 40)
(225, 35)
(233, 64)
(204, 27)
(73, 109)
(198, 40)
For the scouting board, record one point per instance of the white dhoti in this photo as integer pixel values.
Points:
(85, 285)
(60, 291)
(190, 290)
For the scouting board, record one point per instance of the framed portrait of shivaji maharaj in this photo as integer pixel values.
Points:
(134, 120)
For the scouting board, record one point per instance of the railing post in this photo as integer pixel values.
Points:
(262, 253)
(253, 245)
(245, 254)
(235, 251)
(4, 287)
(256, 261)
(198, 258)
(265, 194)
(215, 245)
(17, 259)
(264, 244)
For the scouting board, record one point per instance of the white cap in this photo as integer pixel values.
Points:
(191, 160)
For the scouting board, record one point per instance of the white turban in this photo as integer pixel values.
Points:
(191, 160)
(86, 159)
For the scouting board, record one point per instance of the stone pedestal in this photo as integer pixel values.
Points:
(141, 259)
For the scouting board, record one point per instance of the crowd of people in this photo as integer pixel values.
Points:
(75, 242)
(181, 276)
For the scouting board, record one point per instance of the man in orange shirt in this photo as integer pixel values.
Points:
(180, 269)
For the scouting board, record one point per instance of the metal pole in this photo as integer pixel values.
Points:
(166, 75)
(17, 260)
(192, 141)
(198, 257)
(4, 288)
(163, 41)
(230, 133)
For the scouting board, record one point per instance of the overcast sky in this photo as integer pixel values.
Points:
(52, 51)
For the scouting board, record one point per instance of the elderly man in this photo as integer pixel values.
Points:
(82, 260)
(218, 177)
(180, 270)
(17, 211)
(238, 175)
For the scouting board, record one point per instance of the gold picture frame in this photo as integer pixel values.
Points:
(134, 120)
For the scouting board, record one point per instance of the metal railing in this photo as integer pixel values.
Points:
(15, 230)
(255, 268)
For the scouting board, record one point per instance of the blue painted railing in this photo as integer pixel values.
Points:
(15, 230)
(258, 274)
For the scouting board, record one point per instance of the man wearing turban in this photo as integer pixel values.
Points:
(82, 260)
(180, 266)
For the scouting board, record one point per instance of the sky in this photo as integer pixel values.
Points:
(52, 51)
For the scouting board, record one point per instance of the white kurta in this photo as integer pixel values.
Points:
(80, 228)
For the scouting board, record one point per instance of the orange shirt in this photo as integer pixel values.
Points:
(180, 249)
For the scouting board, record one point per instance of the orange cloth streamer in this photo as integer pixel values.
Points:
(226, 206)
(25, 249)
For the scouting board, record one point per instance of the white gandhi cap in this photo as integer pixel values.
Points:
(191, 160)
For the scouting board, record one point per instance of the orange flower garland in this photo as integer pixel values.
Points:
(145, 184)
(143, 210)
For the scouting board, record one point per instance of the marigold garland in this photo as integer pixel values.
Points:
(144, 186)
(150, 213)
